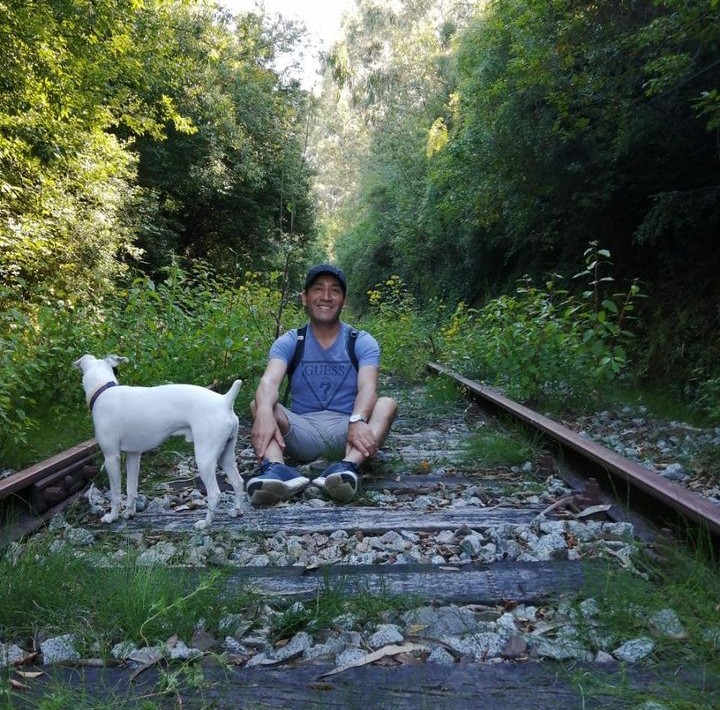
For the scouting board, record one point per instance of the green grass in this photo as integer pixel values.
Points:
(662, 402)
(334, 600)
(48, 589)
(494, 448)
(442, 393)
(678, 576)
(57, 430)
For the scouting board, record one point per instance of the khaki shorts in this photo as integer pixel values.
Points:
(316, 434)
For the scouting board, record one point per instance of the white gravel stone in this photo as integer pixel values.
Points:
(384, 635)
(59, 649)
(666, 622)
(349, 655)
(481, 646)
(158, 554)
(634, 650)
(441, 657)
(10, 654)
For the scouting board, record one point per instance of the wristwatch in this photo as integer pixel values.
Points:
(357, 418)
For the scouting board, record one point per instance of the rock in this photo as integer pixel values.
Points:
(10, 654)
(666, 623)
(441, 657)
(59, 649)
(634, 650)
(384, 635)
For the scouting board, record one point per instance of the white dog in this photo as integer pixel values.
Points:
(137, 419)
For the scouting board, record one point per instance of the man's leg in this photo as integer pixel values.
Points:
(380, 422)
(275, 481)
(340, 480)
(274, 452)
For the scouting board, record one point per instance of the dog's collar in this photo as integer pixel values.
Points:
(98, 392)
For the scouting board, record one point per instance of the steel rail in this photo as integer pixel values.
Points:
(678, 499)
(55, 478)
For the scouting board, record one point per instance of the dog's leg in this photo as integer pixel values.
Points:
(230, 468)
(132, 468)
(207, 467)
(112, 466)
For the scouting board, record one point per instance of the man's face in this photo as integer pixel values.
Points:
(324, 299)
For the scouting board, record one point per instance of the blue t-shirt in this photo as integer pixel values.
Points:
(325, 379)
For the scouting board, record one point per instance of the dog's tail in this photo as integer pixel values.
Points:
(232, 393)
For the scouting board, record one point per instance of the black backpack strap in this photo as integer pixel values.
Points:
(295, 361)
(352, 337)
(300, 350)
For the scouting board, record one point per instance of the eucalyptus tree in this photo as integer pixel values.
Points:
(131, 131)
(391, 80)
(236, 188)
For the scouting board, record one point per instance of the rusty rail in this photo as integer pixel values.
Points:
(686, 503)
(48, 482)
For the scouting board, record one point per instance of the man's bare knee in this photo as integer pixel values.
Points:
(385, 408)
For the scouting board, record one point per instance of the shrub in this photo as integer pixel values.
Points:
(545, 343)
(404, 332)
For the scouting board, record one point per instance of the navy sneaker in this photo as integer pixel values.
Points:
(339, 481)
(274, 483)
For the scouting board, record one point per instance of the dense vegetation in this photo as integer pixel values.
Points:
(497, 139)
(517, 187)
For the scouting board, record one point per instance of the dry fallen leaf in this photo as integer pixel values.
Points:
(592, 510)
(389, 650)
(30, 674)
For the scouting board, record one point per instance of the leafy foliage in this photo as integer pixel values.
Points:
(406, 335)
(193, 326)
(546, 343)
(542, 126)
(135, 131)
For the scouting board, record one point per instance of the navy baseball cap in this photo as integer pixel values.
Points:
(331, 270)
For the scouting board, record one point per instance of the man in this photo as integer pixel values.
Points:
(335, 409)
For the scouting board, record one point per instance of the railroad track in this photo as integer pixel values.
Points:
(431, 525)
(642, 490)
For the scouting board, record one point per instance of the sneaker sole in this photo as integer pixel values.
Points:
(339, 488)
(272, 492)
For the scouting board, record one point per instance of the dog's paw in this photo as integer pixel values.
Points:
(128, 513)
(109, 518)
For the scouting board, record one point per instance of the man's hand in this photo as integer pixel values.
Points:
(362, 437)
(265, 431)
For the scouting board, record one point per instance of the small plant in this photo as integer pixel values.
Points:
(492, 448)
(545, 344)
(707, 398)
(404, 333)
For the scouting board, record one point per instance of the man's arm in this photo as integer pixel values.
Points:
(361, 435)
(265, 430)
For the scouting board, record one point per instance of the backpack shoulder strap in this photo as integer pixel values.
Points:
(295, 361)
(299, 350)
(352, 337)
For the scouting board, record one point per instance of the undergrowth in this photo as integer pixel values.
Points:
(547, 345)
(679, 577)
(49, 589)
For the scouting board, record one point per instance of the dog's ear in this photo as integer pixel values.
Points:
(81, 361)
(115, 360)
